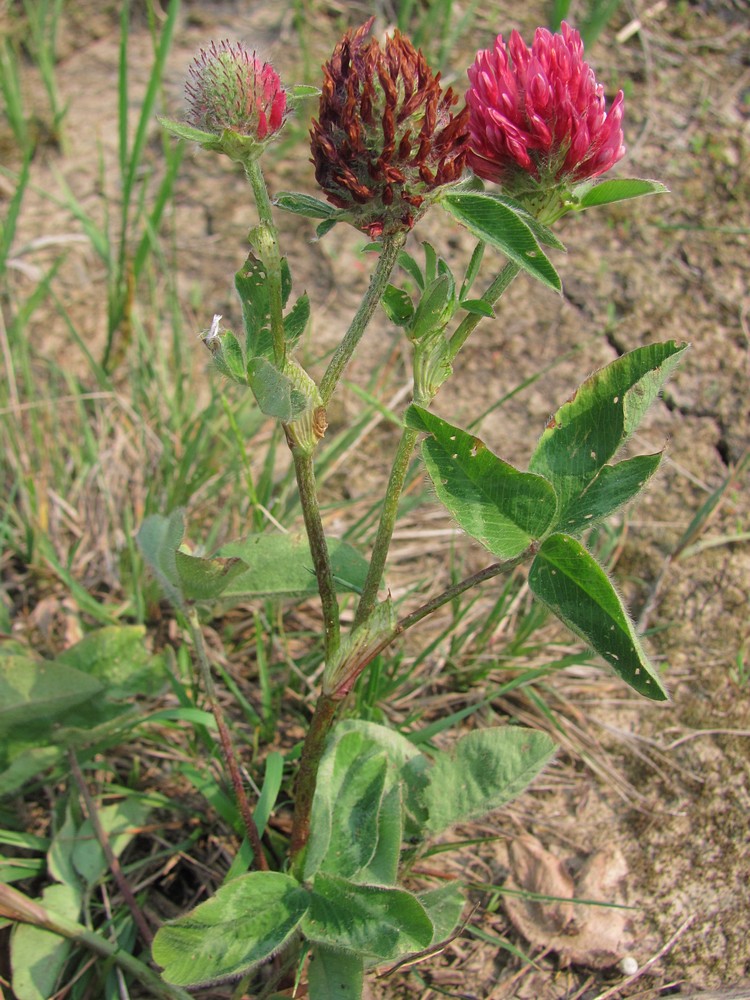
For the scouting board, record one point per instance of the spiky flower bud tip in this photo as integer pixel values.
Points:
(230, 89)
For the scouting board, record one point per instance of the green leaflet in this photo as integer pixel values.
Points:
(501, 507)
(484, 770)
(503, 227)
(590, 194)
(247, 921)
(567, 578)
(379, 922)
(588, 430)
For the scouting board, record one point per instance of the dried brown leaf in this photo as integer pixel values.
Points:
(580, 933)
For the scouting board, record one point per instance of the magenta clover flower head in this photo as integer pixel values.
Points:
(229, 89)
(537, 117)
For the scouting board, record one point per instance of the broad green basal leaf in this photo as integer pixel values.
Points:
(34, 692)
(247, 921)
(158, 538)
(444, 906)
(409, 767)
(349, 793)
(356, 822)
(183, 577)
(501, 507)
(121, 822)
(485, 769)
(38, 956)
(567, 578)
(118, 656)
(382, 868)
(335, 975)
(378, 922)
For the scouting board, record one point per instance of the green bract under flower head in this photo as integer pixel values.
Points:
(385, 137)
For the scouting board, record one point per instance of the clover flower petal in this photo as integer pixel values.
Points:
(538, 114)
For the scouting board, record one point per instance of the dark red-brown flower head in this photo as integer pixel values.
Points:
(231, 90)
(537, 116)
(385, 137)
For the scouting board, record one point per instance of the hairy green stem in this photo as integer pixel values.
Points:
(265, 240)
(450, 593)
(447, 595)
(312, 751)
(305, 473)
(392, 246)
(493, 293)
(388, 515)
(227, 748)
(15, 906)
(401, 461)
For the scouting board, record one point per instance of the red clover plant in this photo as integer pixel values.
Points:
(389, 144)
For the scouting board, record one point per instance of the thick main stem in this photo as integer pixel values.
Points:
(378, 283)
(304, 470)
(312, 751)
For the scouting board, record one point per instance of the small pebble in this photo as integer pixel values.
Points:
(628, 966)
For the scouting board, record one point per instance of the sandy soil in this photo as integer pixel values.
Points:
(668, 786)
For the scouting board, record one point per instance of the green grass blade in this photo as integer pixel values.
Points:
(9, 224)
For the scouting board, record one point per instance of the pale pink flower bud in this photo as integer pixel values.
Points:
(538, 115)
(231, 90)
